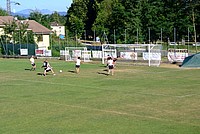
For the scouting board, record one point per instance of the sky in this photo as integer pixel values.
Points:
(53, 5)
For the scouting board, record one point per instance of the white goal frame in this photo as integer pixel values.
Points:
(152, 52)
(71, 53)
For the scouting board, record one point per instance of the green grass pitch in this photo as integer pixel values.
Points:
(136, 100)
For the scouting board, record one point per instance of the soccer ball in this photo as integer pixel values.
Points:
(60, 71)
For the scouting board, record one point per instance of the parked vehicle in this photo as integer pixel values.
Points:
(197, 44)
(173, 44)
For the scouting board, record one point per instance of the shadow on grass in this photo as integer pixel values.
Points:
(27, 69)
(39, 73)
(102, 73)
(72, 71)
(42, 74)
(105, 70)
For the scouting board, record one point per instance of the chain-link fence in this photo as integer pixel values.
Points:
(14, 49)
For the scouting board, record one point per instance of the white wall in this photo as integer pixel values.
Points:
(58, 30)
(43, 44)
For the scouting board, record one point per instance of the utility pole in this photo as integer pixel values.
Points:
(9, 6)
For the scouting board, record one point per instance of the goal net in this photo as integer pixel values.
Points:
(71, 53)
(138, 54)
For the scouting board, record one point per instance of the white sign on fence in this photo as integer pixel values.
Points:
(152, 56)
(97, 54)
(177, 55)
(128, 55)
(23, 51)
(43, 52)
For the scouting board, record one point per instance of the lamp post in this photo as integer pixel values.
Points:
(195, 34)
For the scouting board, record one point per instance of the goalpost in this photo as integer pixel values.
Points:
(71, 53)
(145, 54)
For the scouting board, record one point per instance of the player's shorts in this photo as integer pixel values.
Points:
(110, 66)
(48, 69)
(77, 66)
(33, 64)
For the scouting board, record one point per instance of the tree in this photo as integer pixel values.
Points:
(40, 18)
(76, 18)
(3, 12)
(102, 21)
(17, 33)
(56, 17)
(138, 20)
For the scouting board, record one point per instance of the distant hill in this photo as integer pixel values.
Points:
(26, 12)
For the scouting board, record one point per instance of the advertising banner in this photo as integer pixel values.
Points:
(128, 55)
(152, 56)
(23, 51)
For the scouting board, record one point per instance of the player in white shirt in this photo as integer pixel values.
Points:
(110, 66)
(32, 60)
(78, 64)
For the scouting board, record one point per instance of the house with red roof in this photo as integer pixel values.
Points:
(41, 33)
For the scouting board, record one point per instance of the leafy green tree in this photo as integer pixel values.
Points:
(76, 17)
(40, 18)
(56, 17)
(133, 22)
(17, 33)
(3, 12)
(128, 21)
(151, 18)
(102, 21)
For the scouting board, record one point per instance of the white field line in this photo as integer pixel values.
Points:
(76, 85)
(98, 110)
(14, 84)
(166, 95)
(117, 112)
(106, 111)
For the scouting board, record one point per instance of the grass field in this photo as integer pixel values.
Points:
(136, 100)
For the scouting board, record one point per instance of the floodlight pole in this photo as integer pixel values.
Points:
(76, 38)
(161, 36)
(114, 37)
(94, 37)
(195, 34)
(174, 38)
(85, 35)
(149, 36)
(137, 36)
(125, 36)
(188, 38)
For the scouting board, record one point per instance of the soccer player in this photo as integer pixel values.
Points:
(78, 64)
(110, 66)
(47, 68)
(32, 60)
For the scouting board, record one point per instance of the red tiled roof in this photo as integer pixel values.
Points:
(6, 19)
(38, 28)
(33, 25)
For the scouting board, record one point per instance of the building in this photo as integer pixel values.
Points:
(58, 29)
(41, 33)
